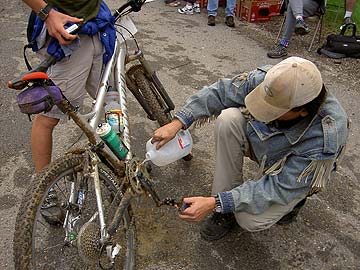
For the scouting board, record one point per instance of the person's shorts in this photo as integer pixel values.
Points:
(78, 73)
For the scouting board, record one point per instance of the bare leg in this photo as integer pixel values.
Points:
(350, 4)
(41, 140)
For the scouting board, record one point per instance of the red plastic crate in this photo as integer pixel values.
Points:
(259, 11)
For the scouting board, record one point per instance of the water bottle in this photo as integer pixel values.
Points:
(180, 146)
(112, 140)
(113, 112)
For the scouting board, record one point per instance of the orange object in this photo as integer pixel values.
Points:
(259, 11)
(35, 76)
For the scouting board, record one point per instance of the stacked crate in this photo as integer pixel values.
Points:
(257, 10)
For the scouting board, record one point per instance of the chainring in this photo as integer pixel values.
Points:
(88, 242)
(132, 168)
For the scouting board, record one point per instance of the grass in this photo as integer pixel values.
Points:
(334, 15)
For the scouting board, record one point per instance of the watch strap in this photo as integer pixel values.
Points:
(44, 12)
(218, 206)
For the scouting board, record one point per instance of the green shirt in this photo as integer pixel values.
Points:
(86, 9)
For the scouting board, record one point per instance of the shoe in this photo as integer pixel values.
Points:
(211, 20)
(301, 28)
(278, 52)
(217, 226)
(196, 8)
(348, 20)
(291, 217)
(188, 10)
(51, 211)
(229, 21)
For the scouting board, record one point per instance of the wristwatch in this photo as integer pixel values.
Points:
(218, 207)
(44, 12)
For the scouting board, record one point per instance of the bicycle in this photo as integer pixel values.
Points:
(95, 186)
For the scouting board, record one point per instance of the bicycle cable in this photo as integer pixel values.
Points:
(82, 133)
(131, 34)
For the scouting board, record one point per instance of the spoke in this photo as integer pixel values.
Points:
(61, 190)
(45, 226)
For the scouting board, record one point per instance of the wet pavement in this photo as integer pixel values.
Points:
(188, 54)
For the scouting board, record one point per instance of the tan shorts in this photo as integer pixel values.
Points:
(78, 73)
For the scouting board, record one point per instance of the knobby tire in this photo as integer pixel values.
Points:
(34, 196)
(150, 97)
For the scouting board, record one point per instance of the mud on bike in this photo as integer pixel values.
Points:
(93, 186)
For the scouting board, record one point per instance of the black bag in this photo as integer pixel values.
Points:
(341, 45)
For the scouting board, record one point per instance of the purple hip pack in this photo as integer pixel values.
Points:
(36, 99)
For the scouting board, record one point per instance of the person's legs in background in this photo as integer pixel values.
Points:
(190, 7)
(212, 7)
(229, 13)
(294, 22)
(350, 4)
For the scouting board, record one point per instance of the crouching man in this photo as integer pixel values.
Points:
(281, 117)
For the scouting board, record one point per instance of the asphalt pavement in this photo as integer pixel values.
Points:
(188, 54)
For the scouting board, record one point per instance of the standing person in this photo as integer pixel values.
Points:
(190, 7)
(350, 4)
(297, 10)
(212, 7)
(73, 74)
(78, 70)
(283, 118)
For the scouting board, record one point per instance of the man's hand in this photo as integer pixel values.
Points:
(199, 208)
(166, 133)
(55, 24)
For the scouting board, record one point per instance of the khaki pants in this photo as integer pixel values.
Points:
(231, 146)
(78, 73)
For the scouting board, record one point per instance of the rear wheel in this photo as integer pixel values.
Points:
(39, 245)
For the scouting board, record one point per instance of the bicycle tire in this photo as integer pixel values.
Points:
(152, 101)
(26, 226)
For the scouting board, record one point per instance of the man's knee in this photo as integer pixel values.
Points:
(230, 117)
(250, 224)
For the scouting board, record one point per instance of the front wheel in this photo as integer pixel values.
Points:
(75, 244)
(153, 101)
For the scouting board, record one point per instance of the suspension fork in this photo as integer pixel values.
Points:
(151, 74)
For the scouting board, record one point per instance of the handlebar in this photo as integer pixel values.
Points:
(135, 6)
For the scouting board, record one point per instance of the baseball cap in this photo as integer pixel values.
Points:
(289, 84)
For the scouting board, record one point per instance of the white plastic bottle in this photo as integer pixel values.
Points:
(178, 147)
(113, 113)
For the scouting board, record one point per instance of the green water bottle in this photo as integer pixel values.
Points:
(110, 137)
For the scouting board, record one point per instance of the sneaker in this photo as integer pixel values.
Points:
(278, 52)
(229, 21)
(211, 20)
(196, 8)
(217, 226)
(51, 211)
(291, 217)
(301, 28)
(187, 10)
(348, 20)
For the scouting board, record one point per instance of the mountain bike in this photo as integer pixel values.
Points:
(93, 186)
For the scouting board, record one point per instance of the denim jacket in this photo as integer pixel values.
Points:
(293, 162)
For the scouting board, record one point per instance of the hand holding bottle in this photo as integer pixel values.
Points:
(166, 133)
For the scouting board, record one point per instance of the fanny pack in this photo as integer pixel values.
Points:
(341, 45)
(37, 99)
